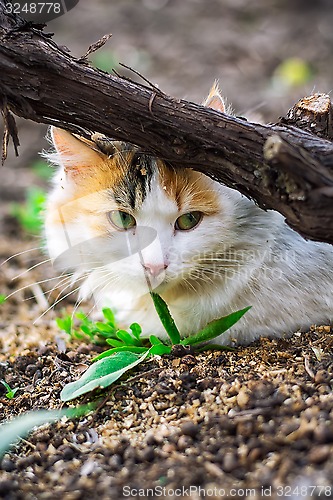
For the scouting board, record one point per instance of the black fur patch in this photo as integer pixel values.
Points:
(132, 190)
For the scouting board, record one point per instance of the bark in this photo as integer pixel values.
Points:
(281, 166)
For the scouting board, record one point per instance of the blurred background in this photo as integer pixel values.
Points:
(266, 54)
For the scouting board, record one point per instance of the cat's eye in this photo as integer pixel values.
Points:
(121, 220)
(188, 221)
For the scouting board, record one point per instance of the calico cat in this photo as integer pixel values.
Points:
(126, 223)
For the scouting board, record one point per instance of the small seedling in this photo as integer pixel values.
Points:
(28, 214)
(97, 333)
(2, 298)
(129, 348)
(10, 394)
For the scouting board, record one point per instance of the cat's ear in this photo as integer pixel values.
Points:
(214, 99)
(74, 154)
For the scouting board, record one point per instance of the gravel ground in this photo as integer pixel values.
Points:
(254, 423)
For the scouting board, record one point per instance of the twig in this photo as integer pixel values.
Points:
(157, 90)
(151, 100)
(10, 130)
(96, 46)
(308, 368)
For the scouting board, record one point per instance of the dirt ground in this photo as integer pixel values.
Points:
(253, 423)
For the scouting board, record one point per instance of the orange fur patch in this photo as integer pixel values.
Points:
(191, 190)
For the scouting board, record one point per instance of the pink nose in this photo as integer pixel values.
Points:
(155, 269)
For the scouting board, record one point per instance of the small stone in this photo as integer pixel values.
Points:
(254, 455)
(115, 461)
(31, 370)
(189, 429)
(319, 454)
(323, 434)
(243, 397)
(151, 439)
(6, 486)
(322, 377)
(147, 454)
(184, 442)
(230, 462)
(8, 465)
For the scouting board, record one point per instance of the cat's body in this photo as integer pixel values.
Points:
(129, 223)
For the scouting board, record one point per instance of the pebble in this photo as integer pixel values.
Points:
(229, 462)
(184, 442)
(319, 454)
(189, 429)
(243, 397)
(7, 485)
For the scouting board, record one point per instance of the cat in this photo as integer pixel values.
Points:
(125, 222)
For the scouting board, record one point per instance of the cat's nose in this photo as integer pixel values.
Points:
(155, 269)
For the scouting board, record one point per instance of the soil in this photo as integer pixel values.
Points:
(256, 422)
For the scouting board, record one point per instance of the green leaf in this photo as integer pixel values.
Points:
(155, 340)
(102, 374)
(215, 328)
(12, 431)
(166, 318)
(126, 337)
(10, 392)
(160, 349)
(81, 316)
(104, 327)
(109, 316)
(115, 342)
(87, 330)
(2, 298)
(125, 348)
(136, 330)
(65, 324)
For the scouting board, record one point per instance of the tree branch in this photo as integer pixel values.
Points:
(280, 166)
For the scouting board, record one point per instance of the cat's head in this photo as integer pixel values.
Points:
(131, 220)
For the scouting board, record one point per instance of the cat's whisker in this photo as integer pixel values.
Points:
(115, 279)
(65, 281)
(77, 304)
(31, 268)
(18, 254)
(68, 283)
(39, 296)
(30, 285)
(56, 303)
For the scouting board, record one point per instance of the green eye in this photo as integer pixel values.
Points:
(121, 220)
(188, 221)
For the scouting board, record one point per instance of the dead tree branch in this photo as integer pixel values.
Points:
(280, 166)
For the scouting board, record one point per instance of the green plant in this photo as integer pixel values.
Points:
(10, 394)
(96, 333)
(21, 426)
(28, 213)
(2, 298)
(128, 349)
